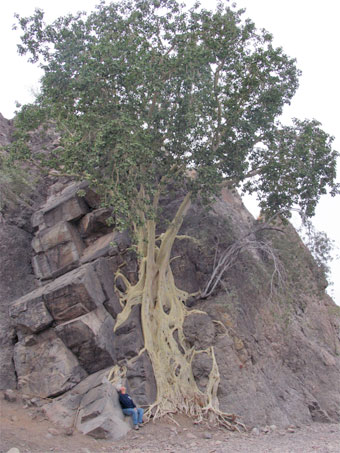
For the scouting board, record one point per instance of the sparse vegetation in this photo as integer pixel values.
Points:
(16, 186)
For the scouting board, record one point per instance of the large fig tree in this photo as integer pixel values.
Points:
(148, 94)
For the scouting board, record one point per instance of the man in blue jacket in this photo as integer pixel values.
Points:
(129, 407)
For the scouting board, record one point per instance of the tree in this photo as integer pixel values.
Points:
(147, 94)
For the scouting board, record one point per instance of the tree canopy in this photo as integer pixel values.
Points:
(148, 92)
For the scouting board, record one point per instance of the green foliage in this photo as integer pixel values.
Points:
(297, 164)
(319, 244)
(142, 91)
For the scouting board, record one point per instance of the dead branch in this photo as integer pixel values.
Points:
(230, 255)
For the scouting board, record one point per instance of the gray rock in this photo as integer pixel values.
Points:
(110, 244)
(59, 250)
(199, 330)
(56, 261)
(29, 313)
(66, 206)
(129, 336)
(47, 368)
(105, 269)
(16, 278)
(201, 367)
(60, 233)
(37, 221)
(141, 381)
(100, 414)
(63, 409)
(318, 414)
(74, 294)
(91, 338)
(95, 222)
(66, 298)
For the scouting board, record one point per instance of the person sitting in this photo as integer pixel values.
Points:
(129, 407)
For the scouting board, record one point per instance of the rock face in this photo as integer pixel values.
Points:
(277, 349)
(16, 278)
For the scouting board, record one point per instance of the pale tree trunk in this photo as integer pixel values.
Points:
(162, 316)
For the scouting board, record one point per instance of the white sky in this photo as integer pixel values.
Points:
(306, 29)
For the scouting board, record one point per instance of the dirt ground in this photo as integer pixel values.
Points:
(26, 429)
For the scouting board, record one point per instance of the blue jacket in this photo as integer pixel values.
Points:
(126, 401)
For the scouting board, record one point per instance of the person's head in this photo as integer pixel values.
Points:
(122, 389)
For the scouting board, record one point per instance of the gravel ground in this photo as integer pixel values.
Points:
(28, 431)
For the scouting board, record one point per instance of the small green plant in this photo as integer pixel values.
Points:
(16, 186)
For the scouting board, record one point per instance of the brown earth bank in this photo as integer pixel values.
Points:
(26, 429)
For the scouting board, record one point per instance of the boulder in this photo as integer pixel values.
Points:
(68, 297)
(92, 407)
(29, 313)
(44, 365)
(59, 249)
(69, 204)
(60, 233)
(56, 261)
(90, 337)
(10, 396)
(74, 294)
(100, 414)
(66, 206)
(63, 409)
(37, 221)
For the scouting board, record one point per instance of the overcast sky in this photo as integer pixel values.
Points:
(306, 29)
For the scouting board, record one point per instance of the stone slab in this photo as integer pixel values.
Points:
(69, 296)
(74, 294)
(60, 233)
(56, 261)
(65, 206)
(59, 249)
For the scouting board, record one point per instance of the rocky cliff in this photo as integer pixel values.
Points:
(277, 346)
